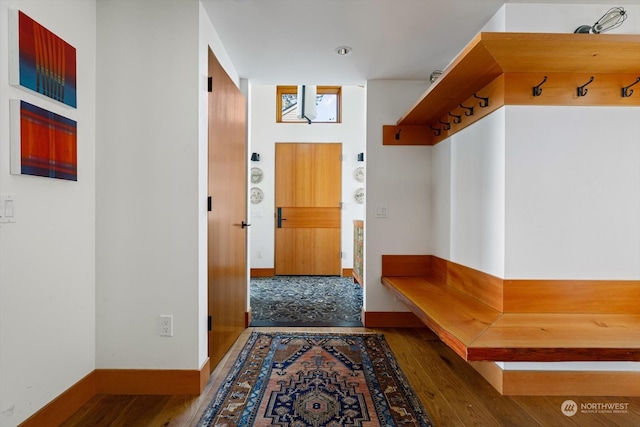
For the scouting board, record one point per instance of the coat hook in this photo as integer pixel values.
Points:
(469, 110)
(625, 90)
(537, 90)
(484, 102)
(456, 119)
(447, 125)
(581, 89)
(436, 131)
(398, 134)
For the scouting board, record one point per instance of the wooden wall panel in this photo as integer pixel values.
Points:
(406, 265)
(572, 296)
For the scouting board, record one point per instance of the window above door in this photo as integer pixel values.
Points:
(328, 102)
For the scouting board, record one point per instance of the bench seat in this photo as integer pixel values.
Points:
(479, 332)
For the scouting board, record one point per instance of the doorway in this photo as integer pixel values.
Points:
(308, 185)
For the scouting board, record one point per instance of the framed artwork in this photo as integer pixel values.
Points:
(41, 61)
(42, 143)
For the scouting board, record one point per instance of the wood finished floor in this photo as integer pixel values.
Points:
(452, 392)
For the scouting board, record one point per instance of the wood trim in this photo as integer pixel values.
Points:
(150, 381)
(484, 287)
(247, 318)
(570, 383)
(406, 265)
(561, 89)
(390, 319)
(347, 272)
(65, 405)
(205, 373)
(572, 296)
(406, 135)
(262, 272)
(494, 92)
(559, 383)
(491, 372)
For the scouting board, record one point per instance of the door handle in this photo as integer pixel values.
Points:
(244, 224)
(280, 219)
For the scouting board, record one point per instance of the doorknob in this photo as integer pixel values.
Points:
(244, 224)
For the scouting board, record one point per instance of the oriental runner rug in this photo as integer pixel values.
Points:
(313, 380)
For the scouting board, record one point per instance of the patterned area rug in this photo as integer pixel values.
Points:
(305, 301)
(313, 380)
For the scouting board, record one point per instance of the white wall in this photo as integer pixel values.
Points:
(47, 258)
(573, 193)
(477, 195)
(265, 132)
(149, 205)
(399, 179)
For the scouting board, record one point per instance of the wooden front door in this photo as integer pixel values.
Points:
(308, 193)
(227, 240)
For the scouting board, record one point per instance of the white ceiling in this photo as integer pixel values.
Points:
(294, 41)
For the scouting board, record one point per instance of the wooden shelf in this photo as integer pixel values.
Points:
(491, 55)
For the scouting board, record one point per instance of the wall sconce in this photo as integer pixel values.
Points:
(255, 157)
(361, 157)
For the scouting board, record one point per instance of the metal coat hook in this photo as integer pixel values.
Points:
(436, 131)
(456, 119)
(625, 90)
(537, 90)
(581, 89)
(484, 102)
(469, 110)
(398, 134)
(447, 125)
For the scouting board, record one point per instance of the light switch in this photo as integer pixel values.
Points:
(382, 212)
(7, 208)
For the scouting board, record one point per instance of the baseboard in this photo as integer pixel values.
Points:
(262, 272)
(122, 382)
(66, 404)
(391, 319)
(347, 272)
(151, 381)
(559, 383)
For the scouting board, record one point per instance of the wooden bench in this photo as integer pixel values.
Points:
(484, 318)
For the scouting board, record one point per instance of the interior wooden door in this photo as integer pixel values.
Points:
(227, 240)
(308, 221)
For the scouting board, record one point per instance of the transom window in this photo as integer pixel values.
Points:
(327, 103)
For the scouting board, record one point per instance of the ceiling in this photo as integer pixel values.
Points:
(294, 41)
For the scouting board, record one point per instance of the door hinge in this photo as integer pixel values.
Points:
(209, 204)
(209, 320)
(210, 84)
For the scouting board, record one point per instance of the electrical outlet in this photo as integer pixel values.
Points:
(166, 325)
